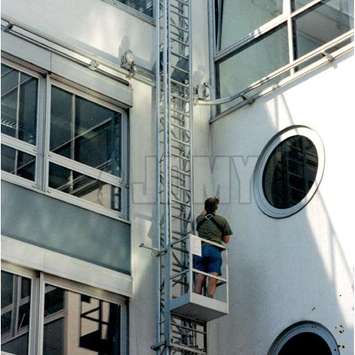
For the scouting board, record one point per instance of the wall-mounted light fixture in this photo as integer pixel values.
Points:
(128, 63)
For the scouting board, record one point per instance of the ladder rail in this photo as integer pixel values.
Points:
(174, 172)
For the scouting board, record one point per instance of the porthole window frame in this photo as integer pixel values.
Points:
(304, 327)
(261, 200)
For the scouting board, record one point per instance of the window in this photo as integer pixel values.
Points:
(85, 138)
(305, 335)
(15, 313)
(257, 37)
(289, 171)
(93, 324)
(143, 6)
(19, 101)
(73, 321)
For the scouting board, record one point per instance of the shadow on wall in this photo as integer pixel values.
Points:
(282, 271)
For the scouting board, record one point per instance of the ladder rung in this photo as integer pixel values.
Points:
(181, 172)
(180, 84)
(181, 187)
(179, 41)
(177, 14)
(182, 2)
(179, 36)
(180, 98)
(179, 55)
(180, 141)
(181, 203)
(189, 349)
(181, 219)
(180, 28)
(186, 114)
(181, 127)
(180, 157)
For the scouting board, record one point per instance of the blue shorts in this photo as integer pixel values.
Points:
(210, 261)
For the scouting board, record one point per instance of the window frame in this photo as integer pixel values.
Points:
(132, 11)
(39, 280)
(21, 145)
(287, 17)
(50, 157)
(261, 200)
(43, 156)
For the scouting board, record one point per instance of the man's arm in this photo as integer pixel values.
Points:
(226, 238)
(227, 233)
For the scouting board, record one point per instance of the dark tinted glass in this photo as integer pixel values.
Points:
(290, 172)
(144, 6)
(86, 132)
(93, 325)
(18, 163)
(19, 93)
(85, 187)
(15, 313)
(322, 24)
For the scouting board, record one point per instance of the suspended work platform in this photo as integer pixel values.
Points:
(198, 306)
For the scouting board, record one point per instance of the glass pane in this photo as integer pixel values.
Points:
(28, 109)
(321, 24)
(62, 122)
(145, 6)
(18, 163)
(85, 187)
(15, 314)
(296, 4)
(83, 325)
(19, 121)
(251, 64)
(9, 87)
(91, 135)
(290, 172)
(240, 17)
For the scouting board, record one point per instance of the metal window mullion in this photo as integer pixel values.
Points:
(72, 143)
(17, 119)
(124, 163)
(40, 301)
(291, 48)
(46, 134)
(41, 133)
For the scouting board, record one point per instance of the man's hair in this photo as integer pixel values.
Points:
(211, 204)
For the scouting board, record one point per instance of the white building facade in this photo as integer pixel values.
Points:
(78, 173)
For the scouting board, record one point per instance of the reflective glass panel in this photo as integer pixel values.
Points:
(85, 131)
(290, 172)
(296, 4)
(87, 188)
(18, 163)
(80, 324)
(249, 65)
(15, 313)
(19, 93)
(322, 24)
(144, 6)
(240, 17)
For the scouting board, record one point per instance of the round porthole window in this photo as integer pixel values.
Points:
(289, 171)
(305, 338)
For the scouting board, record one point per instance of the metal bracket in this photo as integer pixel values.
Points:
(155, 251)
(328, 56)
(8, 27)
(158, 346)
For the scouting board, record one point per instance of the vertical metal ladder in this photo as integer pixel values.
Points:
(176, 334)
